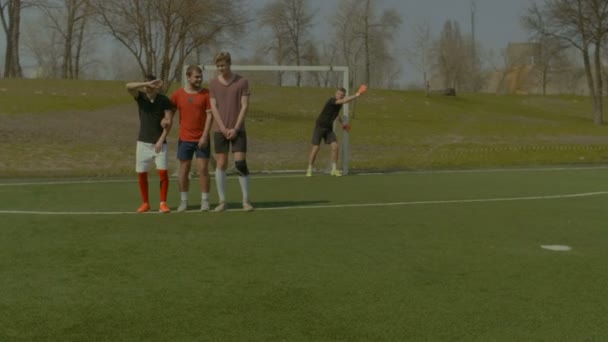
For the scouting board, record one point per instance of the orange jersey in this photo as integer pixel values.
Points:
(192, 113)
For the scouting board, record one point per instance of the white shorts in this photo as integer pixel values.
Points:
(145, 154)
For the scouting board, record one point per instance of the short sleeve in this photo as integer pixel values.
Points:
(168, 105)
(174, 98)
(138, 96)
(208, 105)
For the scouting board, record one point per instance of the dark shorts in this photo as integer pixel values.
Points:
(186, 149)
(326, 134)
(222, 145)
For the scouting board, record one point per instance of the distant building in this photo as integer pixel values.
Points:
(522, 54)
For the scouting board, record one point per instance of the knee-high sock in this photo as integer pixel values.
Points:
(220, 182)
(244, 181)
(143, 186)
(164, 184)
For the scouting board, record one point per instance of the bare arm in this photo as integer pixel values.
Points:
(159, 143)
(347, 99)
(134, 87)
(208, 122)
(242, 113)
(216, 116)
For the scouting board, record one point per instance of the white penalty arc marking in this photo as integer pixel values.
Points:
(300, 174)
(331, 206)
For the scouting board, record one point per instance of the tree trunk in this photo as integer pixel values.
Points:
(12, 65)
(589, 76)
(545, 72)
(79, 47)
(66, 69)
(598, 107)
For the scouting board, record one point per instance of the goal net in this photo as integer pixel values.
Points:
(281, 117)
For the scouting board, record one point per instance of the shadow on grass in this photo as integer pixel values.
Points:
(260, 205)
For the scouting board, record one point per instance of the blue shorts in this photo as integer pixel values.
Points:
(186, 149)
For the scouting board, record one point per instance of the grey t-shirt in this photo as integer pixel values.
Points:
(228, 100)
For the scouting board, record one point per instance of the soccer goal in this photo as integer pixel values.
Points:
(341, 70)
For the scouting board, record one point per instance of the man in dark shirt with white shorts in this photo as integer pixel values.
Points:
(151, 142)
(324, 128)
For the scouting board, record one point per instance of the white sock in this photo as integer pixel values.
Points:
(205, 196)
(220, 182)
(333, 166)
(183, 196)
(244, 181)
(309, 167)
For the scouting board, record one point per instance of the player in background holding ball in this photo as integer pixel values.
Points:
(324, 128)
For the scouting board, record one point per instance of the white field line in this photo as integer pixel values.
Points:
(281, 174)
(333, 206)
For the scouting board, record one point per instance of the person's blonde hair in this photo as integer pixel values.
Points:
(223, 57)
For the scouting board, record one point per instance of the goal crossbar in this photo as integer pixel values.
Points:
(345, 83)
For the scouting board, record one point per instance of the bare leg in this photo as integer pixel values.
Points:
(313, 154)
(184, 170)
(203, 171)
(335, 149)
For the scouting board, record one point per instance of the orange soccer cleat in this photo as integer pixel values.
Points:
(164, 208)
(143, 208)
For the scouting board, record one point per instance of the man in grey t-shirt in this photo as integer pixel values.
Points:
(229, 104)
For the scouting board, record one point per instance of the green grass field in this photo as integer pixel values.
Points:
(88, 129)
(415, 256)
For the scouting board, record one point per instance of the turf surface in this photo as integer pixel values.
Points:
(410, 256)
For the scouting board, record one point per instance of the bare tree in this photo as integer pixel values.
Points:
(420, 52)
(451, 52)
(270, 17)
(290, 22)
(10, 15)
(44, 46)
(69, 18)
(351, 47)
(364, 32)
(583, 24)
(162, 34)
(551, 59)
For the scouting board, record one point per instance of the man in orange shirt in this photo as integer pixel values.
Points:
(193, 104)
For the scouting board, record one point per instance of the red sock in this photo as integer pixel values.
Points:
(164, 184)
(143, 186)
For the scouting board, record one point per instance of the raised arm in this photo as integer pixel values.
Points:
(134, 87)
(362, 89)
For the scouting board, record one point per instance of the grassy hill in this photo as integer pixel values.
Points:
(88, 128)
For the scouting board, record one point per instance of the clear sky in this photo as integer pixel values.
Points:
(497, 21)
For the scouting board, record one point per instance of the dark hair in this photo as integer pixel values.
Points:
(192, 68)
(342, 90)
(149, 77)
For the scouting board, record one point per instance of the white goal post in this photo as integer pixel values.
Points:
(317, 68)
